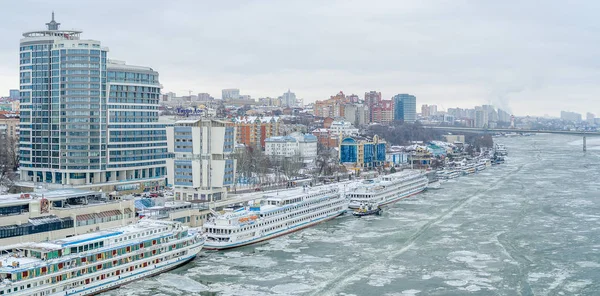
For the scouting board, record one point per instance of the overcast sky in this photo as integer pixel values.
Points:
(531, 57)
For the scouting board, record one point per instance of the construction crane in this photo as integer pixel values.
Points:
(189, 91)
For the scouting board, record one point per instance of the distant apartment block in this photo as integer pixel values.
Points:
(302, 146)
(405, 108)
(288, 99)
(343, 127)
(481, 118)
(9, 126)
(202, 97)
(14, 94)
(230, 93)
(357, 114)
(383, 112)
(332, 107)
(253, 130)
(570, 116)
(590, 118)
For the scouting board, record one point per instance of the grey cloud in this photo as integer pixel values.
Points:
(517, 54)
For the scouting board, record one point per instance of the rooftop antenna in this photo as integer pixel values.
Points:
(52, 25)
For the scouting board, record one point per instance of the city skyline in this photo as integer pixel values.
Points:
(515, 60)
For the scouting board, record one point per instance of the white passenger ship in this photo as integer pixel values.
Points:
(388, 188)
(448, 174)
(277, 214)
(92, 263)
(501, 150)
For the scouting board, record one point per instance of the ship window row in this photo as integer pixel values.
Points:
(93, 269)
(245, 228)
(87, 247)
(307, 204)
(39, 271)
(331, 210)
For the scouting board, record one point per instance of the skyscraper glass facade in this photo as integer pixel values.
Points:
(136, 139)
(65, 119)
(405, 108)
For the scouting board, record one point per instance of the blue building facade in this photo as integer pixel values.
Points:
(349, 151)
(405, 108)
(137, 141)
(63, 106)
(362, 154)
(14, 94)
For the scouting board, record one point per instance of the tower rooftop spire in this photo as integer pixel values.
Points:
(52, 25)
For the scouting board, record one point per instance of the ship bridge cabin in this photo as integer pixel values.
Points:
(299, 195)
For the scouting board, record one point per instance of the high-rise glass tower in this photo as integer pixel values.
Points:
(405, 107)
(66, 112)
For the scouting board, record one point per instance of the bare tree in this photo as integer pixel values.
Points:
(253, 164)
(9, 160)
(326, 164)
(289, 166)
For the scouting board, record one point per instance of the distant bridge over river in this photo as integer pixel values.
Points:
(514, 130)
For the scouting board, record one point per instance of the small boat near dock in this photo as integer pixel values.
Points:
(368, 209)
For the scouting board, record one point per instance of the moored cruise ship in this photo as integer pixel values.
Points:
(92, 263)
(277, 214)
(448, 174)
(501, 150)
(388, 188)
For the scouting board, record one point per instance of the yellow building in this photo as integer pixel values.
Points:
(9, 125)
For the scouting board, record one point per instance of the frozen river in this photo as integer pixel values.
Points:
(528, 227)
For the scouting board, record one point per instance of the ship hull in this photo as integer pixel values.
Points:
(186, 261)
(208, 246)
(391, 201)
(150, 271)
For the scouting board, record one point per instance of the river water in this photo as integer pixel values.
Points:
(528, 227)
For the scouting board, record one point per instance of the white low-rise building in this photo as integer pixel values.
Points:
(343, 127)
(54, 214)
(303, 146)
(284, 146)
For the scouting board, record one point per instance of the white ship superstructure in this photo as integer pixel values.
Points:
(92, 263)
(448, 174)
(388, 188)
(501, 150)
(277, 214)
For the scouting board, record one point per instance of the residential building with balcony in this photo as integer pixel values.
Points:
(302, 146)
(204, 167)
(9, 126)
(343, 127)
(253, 130)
